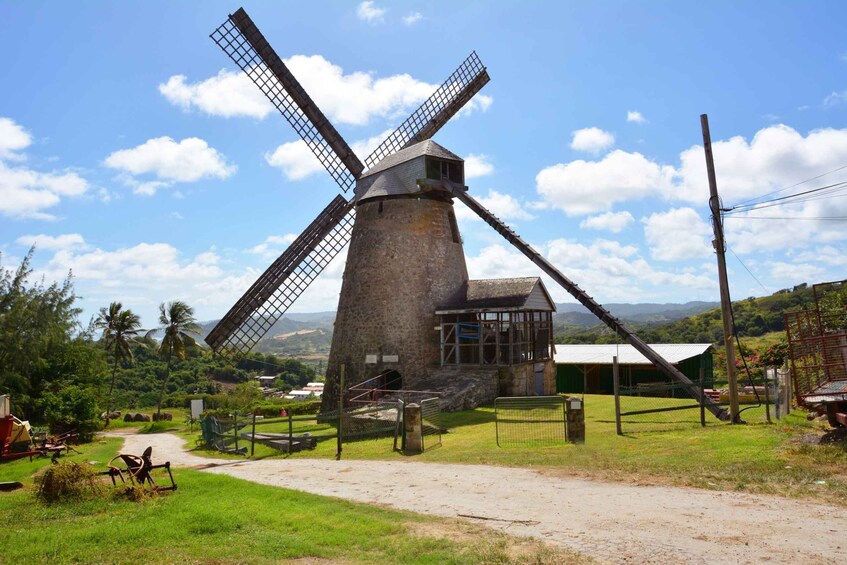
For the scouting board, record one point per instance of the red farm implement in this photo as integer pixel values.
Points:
(817, 341)
(16, 441)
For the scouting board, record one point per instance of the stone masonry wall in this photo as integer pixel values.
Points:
(402, 264)
(519, 380)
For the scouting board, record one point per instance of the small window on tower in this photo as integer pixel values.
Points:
(455, 173)
(433, 169)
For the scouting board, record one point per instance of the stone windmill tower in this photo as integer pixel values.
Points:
(405, 257)
(406, 302)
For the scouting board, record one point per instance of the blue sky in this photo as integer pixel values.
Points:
(133, 154)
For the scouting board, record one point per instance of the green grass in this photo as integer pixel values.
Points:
(218, 519)
(757, 457)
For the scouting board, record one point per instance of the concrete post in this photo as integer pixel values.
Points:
(414, 429)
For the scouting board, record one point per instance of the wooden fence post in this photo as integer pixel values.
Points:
(616, 381)
(253, 435)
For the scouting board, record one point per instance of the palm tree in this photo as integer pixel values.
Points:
(178, 323)
(120, 328)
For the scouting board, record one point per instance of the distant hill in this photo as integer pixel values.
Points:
(575, 317)
(753, 317)
(293, 335)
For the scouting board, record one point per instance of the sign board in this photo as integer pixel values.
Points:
(370, 359)
(196, 407)
(390, 358)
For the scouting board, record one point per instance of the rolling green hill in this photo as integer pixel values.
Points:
(753, 317)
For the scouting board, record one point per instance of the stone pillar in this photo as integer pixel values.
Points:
(414, 428)
(575, 411)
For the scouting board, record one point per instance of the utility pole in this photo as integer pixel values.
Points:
(720, 249)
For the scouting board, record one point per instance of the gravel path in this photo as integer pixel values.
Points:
(611, 522)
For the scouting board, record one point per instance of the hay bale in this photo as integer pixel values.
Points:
(66, 481)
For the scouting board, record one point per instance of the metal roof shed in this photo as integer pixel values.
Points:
(588, 368)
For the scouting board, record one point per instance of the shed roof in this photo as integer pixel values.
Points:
(524, 293)
(627, 355)
(426, 147)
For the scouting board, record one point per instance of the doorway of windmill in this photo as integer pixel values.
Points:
(390, 380)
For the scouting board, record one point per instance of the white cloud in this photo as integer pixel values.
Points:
(169, 161)
(586, 187)
(477, 166)
(364, 147)
(297, 161)
(677, 235)
(834, 99)
(614, 222)
(776, 157)
(605, 269)
(226, 94)
(24, 192)
(789, 274)
(273, 245)
(42, 242)
(353, 98)
(13, 138)
(592, 140)
(635, 117)
(370, 12)
(504, 206)
(412, 18)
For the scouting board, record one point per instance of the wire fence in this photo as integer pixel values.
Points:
(530, 421)
(430, 423)
(241, 433)
(665, 406)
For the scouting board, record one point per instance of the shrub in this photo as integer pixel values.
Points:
(66, 481)
(72, 408)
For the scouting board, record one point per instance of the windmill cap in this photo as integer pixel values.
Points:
(426, 147)
(398, 174)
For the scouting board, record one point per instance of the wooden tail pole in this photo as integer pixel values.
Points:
(660, 362)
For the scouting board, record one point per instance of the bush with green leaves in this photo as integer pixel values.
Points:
(71, 408)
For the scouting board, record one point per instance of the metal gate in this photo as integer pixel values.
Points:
(530, 421)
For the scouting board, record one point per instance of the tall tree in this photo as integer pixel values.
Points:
(177, 322)
(36, 322)
(120, 328)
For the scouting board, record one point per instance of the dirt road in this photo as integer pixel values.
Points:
(611, 522)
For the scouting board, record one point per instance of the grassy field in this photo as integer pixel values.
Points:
(781, 458)
(218, 519)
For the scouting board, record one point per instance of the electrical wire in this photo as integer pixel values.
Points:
(831, 189)
(746, 269)
(794, 185)
(807, 218)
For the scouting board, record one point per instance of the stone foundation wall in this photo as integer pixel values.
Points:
(519, 380)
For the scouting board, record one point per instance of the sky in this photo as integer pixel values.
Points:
(134, 155)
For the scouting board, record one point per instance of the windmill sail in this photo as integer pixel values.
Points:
(595, 308)
(239, 38)
(284, 281)
(437, 110)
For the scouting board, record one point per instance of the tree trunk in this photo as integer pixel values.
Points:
(164, 384)
(111, 387)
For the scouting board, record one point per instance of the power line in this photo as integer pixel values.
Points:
(831, 189)
(793, 185)
(808, 218)
(746, 269)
